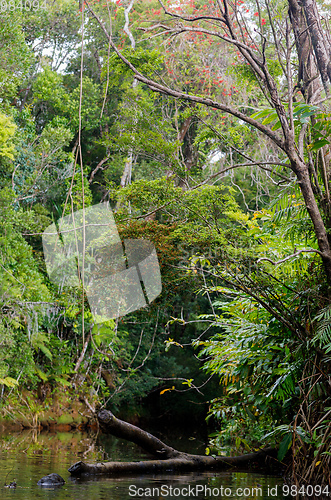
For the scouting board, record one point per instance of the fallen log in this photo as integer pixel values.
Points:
(167, 459)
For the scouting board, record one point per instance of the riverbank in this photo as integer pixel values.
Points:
(59, 409)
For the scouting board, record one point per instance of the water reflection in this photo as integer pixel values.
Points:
(29, 455)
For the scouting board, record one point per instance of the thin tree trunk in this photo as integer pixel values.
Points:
(302, 173)
(126, 176)
(82, 354)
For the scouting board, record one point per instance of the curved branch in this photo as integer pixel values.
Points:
(289, 257)
(260, 164)
(189, 19)
(97, 168)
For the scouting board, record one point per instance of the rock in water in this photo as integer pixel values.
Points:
(51, 480)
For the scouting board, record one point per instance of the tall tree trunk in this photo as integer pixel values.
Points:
(307, 74)
(319, 42)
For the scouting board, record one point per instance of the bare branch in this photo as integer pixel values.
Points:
(244, 155)
(191, 18)
(278, 51)
(289, 257)
(258, 164)
(97, 168)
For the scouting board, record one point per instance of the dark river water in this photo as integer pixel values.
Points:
(27, 456)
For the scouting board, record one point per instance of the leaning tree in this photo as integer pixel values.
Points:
(285, 48)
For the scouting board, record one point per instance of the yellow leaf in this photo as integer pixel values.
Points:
(165, 390)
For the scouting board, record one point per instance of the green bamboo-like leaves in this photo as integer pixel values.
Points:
(301, 114)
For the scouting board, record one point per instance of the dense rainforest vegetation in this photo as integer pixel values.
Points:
(206, 127)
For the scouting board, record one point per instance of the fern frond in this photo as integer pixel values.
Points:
(323, 330)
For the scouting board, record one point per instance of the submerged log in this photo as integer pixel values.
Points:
(167, 459)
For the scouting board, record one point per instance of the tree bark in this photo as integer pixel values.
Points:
(307, 81)
(168, 459)
(302, 173)
(319, 42)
